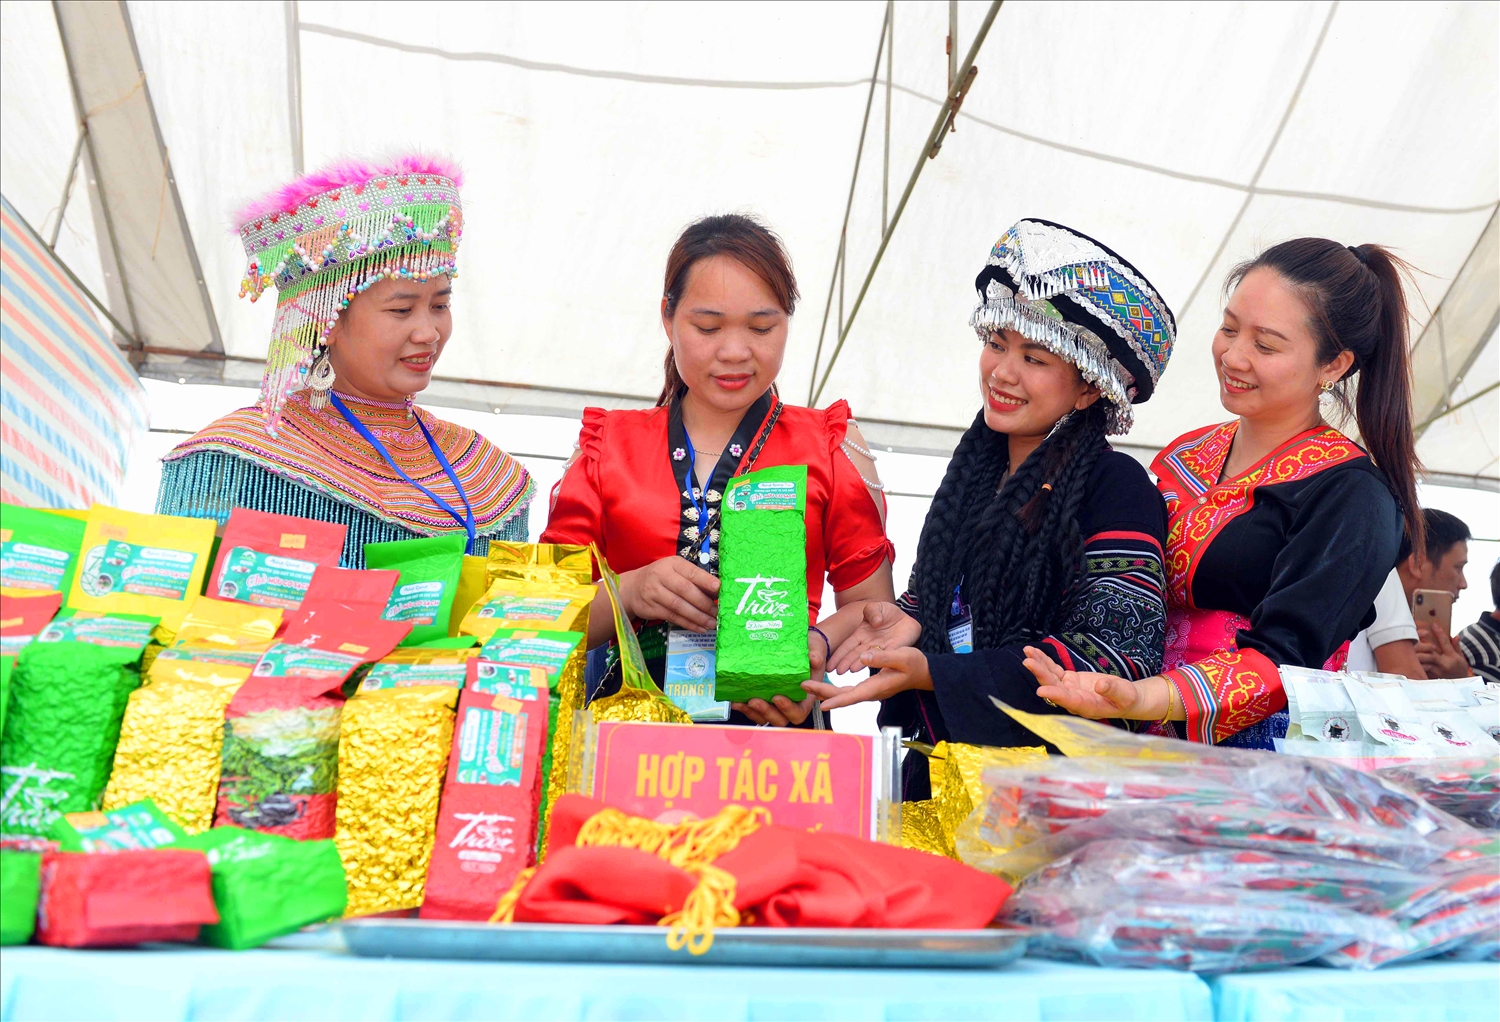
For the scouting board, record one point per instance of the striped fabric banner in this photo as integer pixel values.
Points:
(70, 404)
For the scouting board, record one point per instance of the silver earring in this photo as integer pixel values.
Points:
(320, 382)
(1060, 423)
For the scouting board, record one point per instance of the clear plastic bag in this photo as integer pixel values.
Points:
(1466, 788)
(1230, 825)
(1200, 930)
(1192, 771)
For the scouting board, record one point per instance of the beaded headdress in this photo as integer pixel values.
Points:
(1082, 302)
(326, 237)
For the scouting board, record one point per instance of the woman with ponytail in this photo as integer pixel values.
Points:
(646, 484)
(1282, 529)
(1040, 533)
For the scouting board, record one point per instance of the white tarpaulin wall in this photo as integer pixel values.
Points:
(1186, 136)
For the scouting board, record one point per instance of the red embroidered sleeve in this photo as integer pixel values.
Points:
(1225, 693)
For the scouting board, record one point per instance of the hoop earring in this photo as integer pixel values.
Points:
(320, 381)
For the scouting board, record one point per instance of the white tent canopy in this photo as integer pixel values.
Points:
(1186, 136)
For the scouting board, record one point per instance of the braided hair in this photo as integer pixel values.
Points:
(1016, 547)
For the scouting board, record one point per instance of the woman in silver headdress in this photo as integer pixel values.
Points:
(1040, 533)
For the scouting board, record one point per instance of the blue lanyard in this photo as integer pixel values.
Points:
(467, 519)
(697, 494)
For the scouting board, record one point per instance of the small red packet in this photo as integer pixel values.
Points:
(269, 559)
(109, 899)
(23, 617)
(279, 764)
(487, 819)
(365, 591)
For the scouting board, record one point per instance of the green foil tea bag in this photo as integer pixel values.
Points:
(266, 886)
(424, 593)
(20, 883)
(762, 638)
(69, 690)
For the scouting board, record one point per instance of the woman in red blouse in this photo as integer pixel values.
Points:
(645, 484)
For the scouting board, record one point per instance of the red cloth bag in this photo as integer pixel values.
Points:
(784, 877)
(104, 899)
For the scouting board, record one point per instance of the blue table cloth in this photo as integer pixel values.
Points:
(190, 983)
(1420, 992)
(193, 983)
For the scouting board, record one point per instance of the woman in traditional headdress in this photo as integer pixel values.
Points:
(1282, 528)
(646, 485)
(1040, 533)
(362, 256)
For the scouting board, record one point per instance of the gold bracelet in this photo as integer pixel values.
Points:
(1166, 717)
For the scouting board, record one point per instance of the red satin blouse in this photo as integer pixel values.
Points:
(621, 493)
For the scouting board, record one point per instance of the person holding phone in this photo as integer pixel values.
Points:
(1433, 580)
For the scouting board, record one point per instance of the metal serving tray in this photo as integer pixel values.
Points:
(751, 945)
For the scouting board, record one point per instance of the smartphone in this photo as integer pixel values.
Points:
(1433, 607)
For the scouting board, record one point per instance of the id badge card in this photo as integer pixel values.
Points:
(689, 680)
(960, 624)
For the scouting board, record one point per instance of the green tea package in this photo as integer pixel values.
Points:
(38, 549)
(137, 826)
(141, 564)
(68, 696)
(20, 883)
(266, 886)
(424, 593)
(761, 646)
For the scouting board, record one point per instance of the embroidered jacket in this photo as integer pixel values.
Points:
(317, 466)
(1298, 547)
(1114, 622)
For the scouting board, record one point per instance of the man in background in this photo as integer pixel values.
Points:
(1392, 644)
(1480, 642)
(1442, 569)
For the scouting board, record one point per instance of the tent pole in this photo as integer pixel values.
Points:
(848, 205)
(109, 221)
(135, 344)
(948, 113)
(885, 174)
(294, 81)
(62, 206)
(216, 342)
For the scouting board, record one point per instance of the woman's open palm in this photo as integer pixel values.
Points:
(885, 626)
(1084, 693)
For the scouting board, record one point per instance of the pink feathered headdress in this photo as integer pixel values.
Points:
(324, 238)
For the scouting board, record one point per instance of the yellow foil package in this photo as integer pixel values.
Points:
(225, 624)
(171, 737)
(639, 697)
(542, 599)
(572, 561)
(955, 771)
(393, 755)
(141, 564)
(472, 582)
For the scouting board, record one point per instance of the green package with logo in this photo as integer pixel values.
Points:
(761, 646)
(38, 549)
(266, 886)
(20, 883)
(68, 697)
(424, 593)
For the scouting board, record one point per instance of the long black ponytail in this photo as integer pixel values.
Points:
(1017, 547)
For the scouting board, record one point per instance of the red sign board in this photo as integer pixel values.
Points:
(816, 780)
